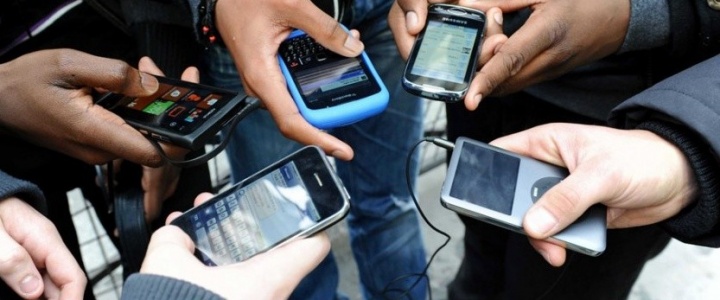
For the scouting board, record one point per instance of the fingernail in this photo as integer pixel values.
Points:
(545, 255)
(149, 82)
(29, 284)
(477, 99)
(499, 18)
(411, 19)
(353, 44)
(540, 220)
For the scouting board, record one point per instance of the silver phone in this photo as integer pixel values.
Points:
(498, 187)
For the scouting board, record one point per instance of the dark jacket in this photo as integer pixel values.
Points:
(685, 109)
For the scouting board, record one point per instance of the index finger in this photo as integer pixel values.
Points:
(518, 51)
(80, 69)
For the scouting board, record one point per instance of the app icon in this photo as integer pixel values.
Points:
(193, 115)
(193, 97)
(209, 101)
(175, 93)
(176, 111)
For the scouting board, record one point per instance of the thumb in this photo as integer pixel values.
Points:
(563, 204)
(81, 69)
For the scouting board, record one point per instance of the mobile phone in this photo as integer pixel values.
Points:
(182, 113)
(498, 187)
(329, 89)
(294, 197)
(444, 57)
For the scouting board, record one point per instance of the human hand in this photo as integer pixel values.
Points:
(253, 31)
(640, 177)
(45, 98)
(559, 36)
(270, 275)
(34, 261)
(407, 19)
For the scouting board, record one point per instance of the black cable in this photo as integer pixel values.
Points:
(423, 275)
(252, 105)
(571, 255)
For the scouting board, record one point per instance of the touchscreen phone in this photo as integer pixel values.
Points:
(295, 197)
(444, 58)
(182, 113)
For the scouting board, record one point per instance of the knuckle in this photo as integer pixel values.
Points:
(565, 200)
(11, 257)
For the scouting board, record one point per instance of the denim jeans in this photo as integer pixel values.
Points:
(384, 227)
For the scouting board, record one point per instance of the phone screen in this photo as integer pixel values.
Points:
(174, 108)
(445, 52)
(485, 178)
(325, 78)
(265, 210)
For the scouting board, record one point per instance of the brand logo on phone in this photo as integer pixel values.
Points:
(446, 19)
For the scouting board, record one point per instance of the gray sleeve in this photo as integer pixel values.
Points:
(649, 25)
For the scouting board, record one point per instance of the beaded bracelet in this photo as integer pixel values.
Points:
(207, 32)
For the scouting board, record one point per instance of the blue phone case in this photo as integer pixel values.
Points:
(341, 114)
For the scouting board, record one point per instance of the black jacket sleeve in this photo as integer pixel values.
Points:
(155, 287)
(685, 110)
(694, 34)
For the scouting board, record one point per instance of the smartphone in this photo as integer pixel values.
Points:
(444, 57)
(498, 187)
(329, 89)
(182, 113)
(295, 197)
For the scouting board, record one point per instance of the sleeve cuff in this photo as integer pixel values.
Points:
(649, 25)
(699, 222)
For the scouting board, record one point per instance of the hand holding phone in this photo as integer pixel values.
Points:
(295, 197)
(182, 113)
(444, 57)
(498, 187)
(329, 89)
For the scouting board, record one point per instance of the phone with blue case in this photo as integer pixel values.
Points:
(329, 89)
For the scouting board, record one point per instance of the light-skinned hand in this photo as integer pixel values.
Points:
(34, 261)
(641, 178)
(269, 275)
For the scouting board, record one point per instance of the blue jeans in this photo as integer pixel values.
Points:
(384, 227)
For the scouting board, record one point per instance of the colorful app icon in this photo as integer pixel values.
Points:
(175, 112)
(176, 93)
(209, 101)
(193, 97)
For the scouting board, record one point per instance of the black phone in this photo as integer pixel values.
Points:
(444, 57)
(498, 187)
(182, 113)
(295, 197)
(330, 90)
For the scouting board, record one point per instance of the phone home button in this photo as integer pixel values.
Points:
(541, 186)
